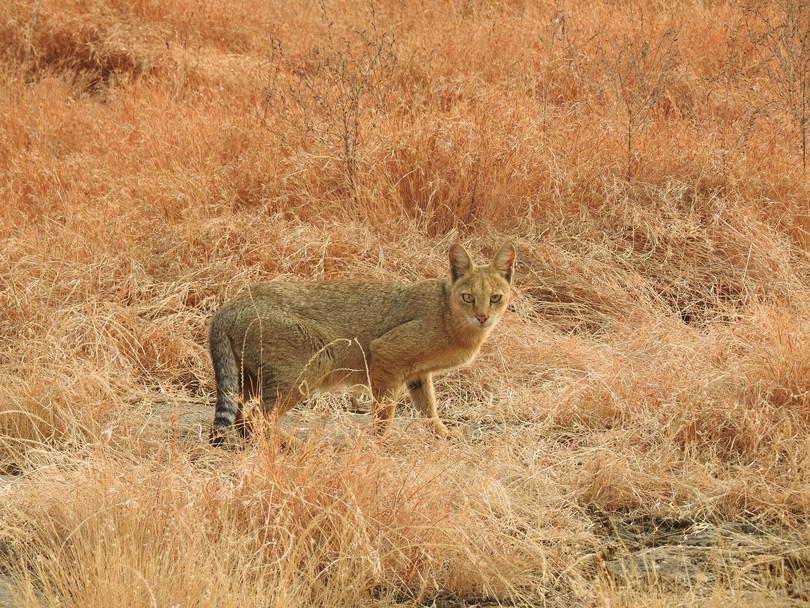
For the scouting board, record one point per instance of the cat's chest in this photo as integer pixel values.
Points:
(444, 360)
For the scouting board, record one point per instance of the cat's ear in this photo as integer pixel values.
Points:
(504, 261)
(460, 262)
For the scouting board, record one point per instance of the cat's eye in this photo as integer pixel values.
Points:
(468, 298)
(495, 298)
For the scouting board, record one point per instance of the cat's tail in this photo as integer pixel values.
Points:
(226, 372)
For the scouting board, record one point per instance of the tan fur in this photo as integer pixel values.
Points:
(284, 341)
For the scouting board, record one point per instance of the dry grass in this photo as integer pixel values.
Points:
(652, 381)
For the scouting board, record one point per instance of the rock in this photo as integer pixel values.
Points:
(187, 424)
(671, 564)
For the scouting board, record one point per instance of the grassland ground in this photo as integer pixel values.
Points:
(636, 429)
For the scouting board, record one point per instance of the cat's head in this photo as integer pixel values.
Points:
(479, 294)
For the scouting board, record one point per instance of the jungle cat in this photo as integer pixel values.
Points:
(284, 341)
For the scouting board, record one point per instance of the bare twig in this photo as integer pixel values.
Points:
(781, 32)
(331, 92)
(639, 66)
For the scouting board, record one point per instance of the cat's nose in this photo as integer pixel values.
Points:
(482, 318)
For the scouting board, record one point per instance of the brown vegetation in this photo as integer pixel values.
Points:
(651, 382)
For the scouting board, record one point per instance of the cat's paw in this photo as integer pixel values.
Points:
(454, 434)
(442, 431)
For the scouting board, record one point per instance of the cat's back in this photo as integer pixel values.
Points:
(339, 300)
